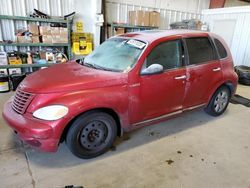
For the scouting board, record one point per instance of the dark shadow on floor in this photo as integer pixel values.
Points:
(63, 157)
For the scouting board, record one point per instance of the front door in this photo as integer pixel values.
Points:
(162, 93)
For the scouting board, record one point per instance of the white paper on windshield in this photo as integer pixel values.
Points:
(136, 43)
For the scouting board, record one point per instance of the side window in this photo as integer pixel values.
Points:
(221, 49)
(168, 54)
(199, 50)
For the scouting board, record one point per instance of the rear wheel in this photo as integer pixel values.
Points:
(218, 102)
(91, 134)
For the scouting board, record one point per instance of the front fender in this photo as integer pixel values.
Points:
(114, 98)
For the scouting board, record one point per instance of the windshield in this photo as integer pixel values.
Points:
(115, 55)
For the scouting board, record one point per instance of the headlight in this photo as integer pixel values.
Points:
(53, 112)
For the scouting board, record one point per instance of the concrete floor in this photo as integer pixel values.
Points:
(192, 150)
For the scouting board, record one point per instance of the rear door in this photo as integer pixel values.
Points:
(203, 70)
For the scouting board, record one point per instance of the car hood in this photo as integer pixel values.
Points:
(70, 76)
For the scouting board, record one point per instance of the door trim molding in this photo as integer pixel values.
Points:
(158, 118)
(169, 115)
(194, 107)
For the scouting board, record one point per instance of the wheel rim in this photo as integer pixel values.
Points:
(94, 135)
(221, 101)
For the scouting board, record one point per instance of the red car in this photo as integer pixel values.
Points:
(129, 81)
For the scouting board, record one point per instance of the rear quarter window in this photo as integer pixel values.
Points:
(200, 50)
(221, 49)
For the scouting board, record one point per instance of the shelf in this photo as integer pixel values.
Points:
(33, 44)
(27, 65)
(132, 26)
(6, 17)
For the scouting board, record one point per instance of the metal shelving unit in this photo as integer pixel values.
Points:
(34, 44)
(69, 23)
(27, 65)
(7, 17)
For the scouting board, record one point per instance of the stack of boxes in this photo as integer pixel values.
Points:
(144, 18)
(54, 34)
(44, 34)
(33, 37)
(141, 18)
(33, 28)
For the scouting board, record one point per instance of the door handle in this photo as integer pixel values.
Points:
(180, 77)
(216, 69)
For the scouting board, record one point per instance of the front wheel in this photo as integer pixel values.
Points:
(219, 102)
(91, 134)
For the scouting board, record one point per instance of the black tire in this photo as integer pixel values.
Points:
(219, 102)
(244, 81)
(243, 73)
(91, 134)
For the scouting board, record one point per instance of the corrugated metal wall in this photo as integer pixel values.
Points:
(118, 12)
(239, 40)
(181, 5)
(24, 7)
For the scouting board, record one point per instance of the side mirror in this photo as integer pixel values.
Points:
(152, 69)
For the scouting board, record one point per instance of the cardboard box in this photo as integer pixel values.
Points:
(47, 39)
(15, 61)
(63, 31)
(35, 39)
(56, 39)
(24, 39)
(55, 30)
(120, 31)
(33, 28)
(60, 38)
(139, 18)
(64, 39)
(45, 30)
(154, 19)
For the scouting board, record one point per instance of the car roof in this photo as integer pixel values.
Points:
(152, 35)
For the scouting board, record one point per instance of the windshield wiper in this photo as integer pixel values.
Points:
(99, 67)
(89, 65)
(104, 68)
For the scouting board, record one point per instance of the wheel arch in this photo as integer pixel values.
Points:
(228, 84)
(106, 110)
(230, 87)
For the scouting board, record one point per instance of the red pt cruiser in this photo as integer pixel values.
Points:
(129, 81)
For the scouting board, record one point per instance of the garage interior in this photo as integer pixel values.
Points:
(190, 150)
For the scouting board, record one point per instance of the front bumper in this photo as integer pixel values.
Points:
(40, 134)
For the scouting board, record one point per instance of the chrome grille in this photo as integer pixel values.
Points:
(21, 101)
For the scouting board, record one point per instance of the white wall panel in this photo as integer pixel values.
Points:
(240, 40)
(118, 12)
(194, 6)
(30, 5)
